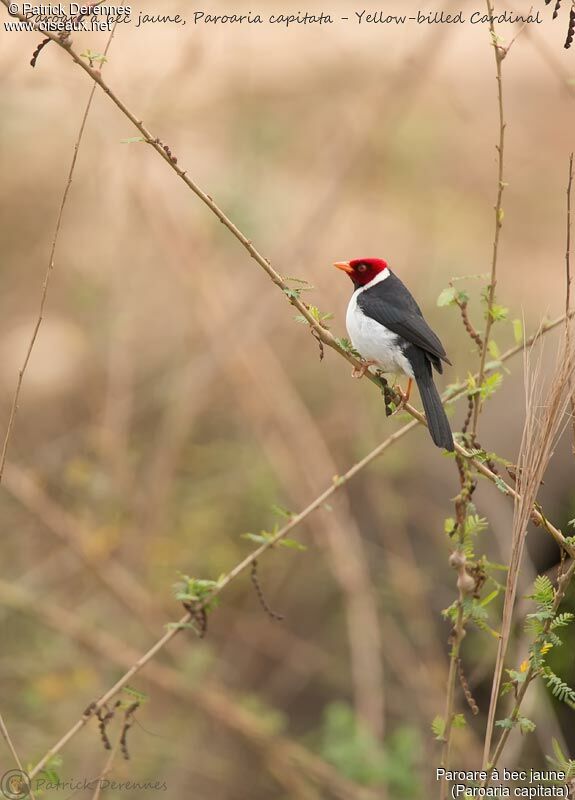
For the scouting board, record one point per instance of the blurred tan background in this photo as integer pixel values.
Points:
(171, 400)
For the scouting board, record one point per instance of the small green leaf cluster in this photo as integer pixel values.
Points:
(264, 537)
(347, 347)
(319, 316)
(473, 525)
(92, 58)
(450, 296)
(438, 725)
(543, 624)
(525, 725)
(195, 591)
(487, 389)
(294, 293)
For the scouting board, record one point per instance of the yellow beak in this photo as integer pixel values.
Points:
(345, 266)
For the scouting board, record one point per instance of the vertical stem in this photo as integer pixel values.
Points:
(568, 290)
(450, 700)
(499, 56)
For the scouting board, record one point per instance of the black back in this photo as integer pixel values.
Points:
(390, 303)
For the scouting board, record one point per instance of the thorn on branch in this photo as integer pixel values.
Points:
(261, 597)
(466, 690)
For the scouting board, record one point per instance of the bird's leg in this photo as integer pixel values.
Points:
(404, 396)
(359, 372)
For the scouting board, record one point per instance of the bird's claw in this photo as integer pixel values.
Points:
(359, 372)
(403, 396)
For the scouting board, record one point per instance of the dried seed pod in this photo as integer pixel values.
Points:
(457, 559)
(465, 583)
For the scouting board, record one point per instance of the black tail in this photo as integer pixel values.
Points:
(434, 411)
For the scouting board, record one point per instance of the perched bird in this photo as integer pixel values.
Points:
(387, 329)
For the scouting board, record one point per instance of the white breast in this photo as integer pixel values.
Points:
(374, 341)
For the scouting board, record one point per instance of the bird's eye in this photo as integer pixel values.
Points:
(361, 267)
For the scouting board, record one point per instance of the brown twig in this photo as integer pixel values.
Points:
(500, 54)
(8, 740)
(50, 267)
(568, 278)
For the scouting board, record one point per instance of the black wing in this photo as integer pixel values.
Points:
(390, 303)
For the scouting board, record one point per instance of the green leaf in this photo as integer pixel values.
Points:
(501, 485)
(493, 349)
(490, 385)
(505, 723)
(447, 297)
(459, 721)
(136, 695)
(302, 281)
(291, 544)
(257, 538)
(293, 294)
(347, 346)
(517, 331)
(489, 598)
(91, 57)
(543, 592)
(562, 620)
(525, 725)
(282, 512)
(498, 313)
(133, 139)
(438, 727)
(195, 590)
